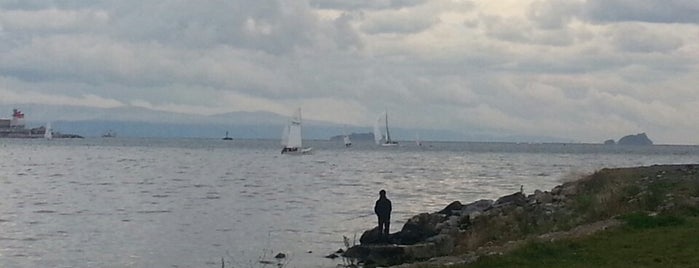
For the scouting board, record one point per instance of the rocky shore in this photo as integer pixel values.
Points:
(461, 233)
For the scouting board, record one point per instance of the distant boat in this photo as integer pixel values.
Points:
(291, 138)
(48, 132)
(109, 134)
(226, 138)
(379, 137)
(347, 141)
(346, 138)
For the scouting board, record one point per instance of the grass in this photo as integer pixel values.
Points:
(644, 241)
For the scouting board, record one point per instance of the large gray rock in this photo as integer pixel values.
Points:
(419, 227)
(451, 208)
(372, 236)
(542, 197)
(478, 206)
(517, 199)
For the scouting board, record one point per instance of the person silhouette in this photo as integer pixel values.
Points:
(383, 212)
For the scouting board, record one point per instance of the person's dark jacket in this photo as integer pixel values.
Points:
(383, 208)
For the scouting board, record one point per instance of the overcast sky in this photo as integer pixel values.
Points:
(582, 70)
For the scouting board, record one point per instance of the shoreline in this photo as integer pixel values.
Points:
(463, 233)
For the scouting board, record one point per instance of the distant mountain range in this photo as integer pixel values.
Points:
(141, 122)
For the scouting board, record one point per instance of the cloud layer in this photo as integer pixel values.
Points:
(581, 70)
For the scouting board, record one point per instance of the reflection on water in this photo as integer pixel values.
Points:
(188, 203)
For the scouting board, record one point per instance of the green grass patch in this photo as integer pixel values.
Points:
(641, 220)
(661, 241)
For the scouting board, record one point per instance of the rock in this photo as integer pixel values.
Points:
(332, 256)
(372, 236)
(418, 228)
(443, 244)
(569, 189)
(478, 206)
(542, 197)
(517, 199)
(280, 256)
(556, 190)
(449, 210)
(638, 139)
(378, 255)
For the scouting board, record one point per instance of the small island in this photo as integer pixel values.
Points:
(638, 139)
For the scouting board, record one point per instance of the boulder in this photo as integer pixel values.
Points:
(418, 228)
(478, 206)
(449, 210)
(372, 236)
(378, 255)
(517, 199)
(542, 197)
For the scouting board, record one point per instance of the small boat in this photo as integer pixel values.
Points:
(347, 141)
(346, 138)
(109, 134)
(292, 139)
(227, 138)
(48, 132)
(379, 138)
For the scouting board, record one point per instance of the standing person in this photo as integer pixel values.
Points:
(383, 212)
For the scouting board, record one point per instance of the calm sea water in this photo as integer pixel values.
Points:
(190, 202)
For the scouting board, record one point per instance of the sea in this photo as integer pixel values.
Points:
(150, 202)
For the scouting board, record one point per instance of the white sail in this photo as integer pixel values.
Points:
(388, 134)
(48, 133)
(291, 139)
(295, 131)
(378, 136)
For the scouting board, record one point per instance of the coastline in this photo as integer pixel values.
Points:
(461, 234)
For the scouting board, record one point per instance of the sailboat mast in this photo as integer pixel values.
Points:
(388, 135)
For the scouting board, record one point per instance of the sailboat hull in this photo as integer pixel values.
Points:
(297, 151)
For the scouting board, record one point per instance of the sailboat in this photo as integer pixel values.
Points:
(347, 141)
(227, 138)
(379, 138)
(346, 138)
(291, 138)
(48, 132)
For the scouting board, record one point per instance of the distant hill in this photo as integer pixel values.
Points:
(132, 121)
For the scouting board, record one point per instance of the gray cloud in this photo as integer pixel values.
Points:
(398, 23)
(669, 11)
(553, 14)
(636, 38)
(365, 4)
(582, 70)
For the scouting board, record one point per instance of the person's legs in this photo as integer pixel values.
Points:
(383, 229)
(387, 224)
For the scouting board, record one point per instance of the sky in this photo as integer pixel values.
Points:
(585, 70)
